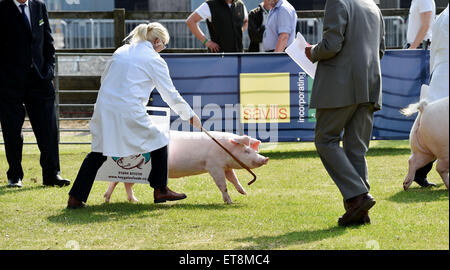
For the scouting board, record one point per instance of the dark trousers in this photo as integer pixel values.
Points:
(86, 175)
(38, 101)
(423, 172)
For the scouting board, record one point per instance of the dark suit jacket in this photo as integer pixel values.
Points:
(21, 48)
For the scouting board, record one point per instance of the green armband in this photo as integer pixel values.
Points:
(204, 42)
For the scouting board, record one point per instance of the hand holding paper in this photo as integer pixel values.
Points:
(297, 52)
(308, 52)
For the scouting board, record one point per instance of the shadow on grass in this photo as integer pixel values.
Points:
(121, 211)
(291, 238)
(6, 190)
(374, 152)
(419, 194)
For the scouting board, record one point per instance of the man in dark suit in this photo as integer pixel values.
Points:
(26, 71)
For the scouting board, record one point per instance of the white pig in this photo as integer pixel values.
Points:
(193, 153)
(429, 138)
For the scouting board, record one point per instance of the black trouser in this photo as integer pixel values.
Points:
(94, 160)
(423, 172)
(38, 101)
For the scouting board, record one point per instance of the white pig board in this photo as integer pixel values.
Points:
(135, 168)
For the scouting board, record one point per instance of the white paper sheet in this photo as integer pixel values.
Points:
(297, 52)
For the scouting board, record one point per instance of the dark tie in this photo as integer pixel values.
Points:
(25, 18)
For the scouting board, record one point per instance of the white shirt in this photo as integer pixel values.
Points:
(27, 9)
(439, 47)
(414, 22)
(205, 12)
(120, 125)
(439, 61)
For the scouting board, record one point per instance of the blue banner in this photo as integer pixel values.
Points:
(266, 95)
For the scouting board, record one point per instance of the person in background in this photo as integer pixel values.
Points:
(226, 20)
(120, 125)
(257, 19)
(346, 93)
(281, 26)
(27, 61)
(438, 87)
(420, 21)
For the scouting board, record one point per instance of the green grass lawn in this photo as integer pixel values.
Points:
(293, 205)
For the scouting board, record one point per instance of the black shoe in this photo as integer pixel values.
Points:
(423, 182)
(365, 219)
(14, 182)
(74, 203)
(358, 207)
(56, 181)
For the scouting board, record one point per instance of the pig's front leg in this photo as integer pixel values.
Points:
(218, 175)
(442, 168)
(109, 191)
(231, 176)
(416, 161)
(130, 193)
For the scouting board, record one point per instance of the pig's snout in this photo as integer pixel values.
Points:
(261, 162)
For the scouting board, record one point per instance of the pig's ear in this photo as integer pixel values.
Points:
(255, 144)
(242, 140)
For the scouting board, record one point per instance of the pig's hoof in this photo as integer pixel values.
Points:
(228, 201)
(406, 186)
(133, 200)
(107, 198)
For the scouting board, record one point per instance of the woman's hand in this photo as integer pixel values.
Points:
(214, 47)
(195, 122)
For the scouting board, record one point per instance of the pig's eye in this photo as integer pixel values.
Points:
(247, 151)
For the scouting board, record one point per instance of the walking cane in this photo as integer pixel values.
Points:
(235, 158)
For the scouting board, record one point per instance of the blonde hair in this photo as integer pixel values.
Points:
(148, 32)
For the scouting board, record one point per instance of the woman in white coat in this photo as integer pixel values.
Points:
(438, 88)
(120, 125)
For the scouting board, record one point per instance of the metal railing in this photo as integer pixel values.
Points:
(395, 31)
(99, 33)
(119, 18)
(58, 91)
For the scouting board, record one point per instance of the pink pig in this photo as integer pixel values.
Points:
(429, 138)
(193, 153)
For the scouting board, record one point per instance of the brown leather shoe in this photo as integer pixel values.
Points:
(365, 219)
(165, 194)
(357, 208)
(74, 203)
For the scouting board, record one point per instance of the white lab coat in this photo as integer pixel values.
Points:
(120, 125)
(439, 59)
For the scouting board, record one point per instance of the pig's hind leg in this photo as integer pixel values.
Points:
(130, 193)
(416, 161)
(109, 191)
(442, 168)
(231, 176)
(219, 178)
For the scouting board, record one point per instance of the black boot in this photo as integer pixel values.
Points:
(421, 176)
